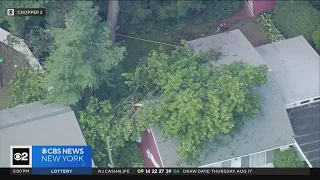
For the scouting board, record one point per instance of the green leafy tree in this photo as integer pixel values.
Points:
(83, 57)
(296, 18)
(192, 100)
(38, 39)
(25, 87)
(316, 38)
(17, 25)
(105, 131)
(288, 159)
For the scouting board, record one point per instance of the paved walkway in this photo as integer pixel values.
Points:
(20, 47)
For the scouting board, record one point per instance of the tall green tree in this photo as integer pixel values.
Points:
(191, 100)
(83, 58)
(17, 25)
(37, 38)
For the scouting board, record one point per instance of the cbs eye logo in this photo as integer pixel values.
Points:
(20, 156)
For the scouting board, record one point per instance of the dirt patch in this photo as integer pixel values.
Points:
(252, 30)
(11, 58)
(200, 30)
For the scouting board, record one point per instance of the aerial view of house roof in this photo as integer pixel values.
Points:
(37, 124)
(305, 121)
(296, 66)
(232, 44)
(270, 130)
(207, 85)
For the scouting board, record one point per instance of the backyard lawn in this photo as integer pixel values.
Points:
(11, 58)
(138, 49)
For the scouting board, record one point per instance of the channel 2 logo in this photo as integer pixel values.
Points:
(21, 156)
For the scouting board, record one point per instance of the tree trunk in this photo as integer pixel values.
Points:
(23, 28)
(113, 10)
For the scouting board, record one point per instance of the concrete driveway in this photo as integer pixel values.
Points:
(305, 122)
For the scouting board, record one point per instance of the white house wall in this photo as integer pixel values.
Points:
(236, 162)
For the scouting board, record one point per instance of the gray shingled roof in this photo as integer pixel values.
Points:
(233, 45)
(271, 130)
(305, 121)
(37, 124)
(296, 66)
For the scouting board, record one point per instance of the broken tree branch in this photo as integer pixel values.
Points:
(111, 165)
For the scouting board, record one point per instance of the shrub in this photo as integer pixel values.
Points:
(288, 159)
(268, 24)
(130, 156)
(295, 18)
(25, 87)
(219, 9)
(140, 12)
(316, 38)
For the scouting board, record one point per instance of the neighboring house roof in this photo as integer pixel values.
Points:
(271, 130)
(305, 121)
(37, 124)
(296, 66)
(232, 44)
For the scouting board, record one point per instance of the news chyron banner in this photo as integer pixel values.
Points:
(53, 159)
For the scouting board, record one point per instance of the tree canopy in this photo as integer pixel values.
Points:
(38, 39)
(17, 24)
(83, 56)
(105, 131)
(287, 159)
(183, 92)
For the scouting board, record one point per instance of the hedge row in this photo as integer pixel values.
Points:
(268, 24)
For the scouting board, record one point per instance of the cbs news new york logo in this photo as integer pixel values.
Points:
(21, 156)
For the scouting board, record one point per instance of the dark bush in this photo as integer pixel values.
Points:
(315, 4)
(130, 156)
(135, 12)
(219, 9)
(295, 18)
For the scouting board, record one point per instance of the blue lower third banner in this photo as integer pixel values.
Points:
(61, 159)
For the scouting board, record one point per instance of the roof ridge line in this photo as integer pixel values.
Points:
(61, 111)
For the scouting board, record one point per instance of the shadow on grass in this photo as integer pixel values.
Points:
(4, 97)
